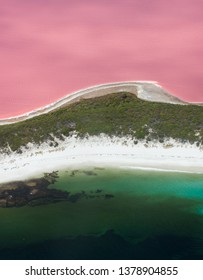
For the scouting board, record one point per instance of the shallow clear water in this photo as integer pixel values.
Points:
(125, 214)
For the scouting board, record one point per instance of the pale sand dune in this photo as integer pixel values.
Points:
(149, 91)
(101, 151)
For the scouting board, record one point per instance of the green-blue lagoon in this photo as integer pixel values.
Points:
(109, 214)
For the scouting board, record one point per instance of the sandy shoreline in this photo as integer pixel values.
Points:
(145, 90)
(101, 151)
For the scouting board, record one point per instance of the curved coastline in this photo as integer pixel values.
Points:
(146, 90)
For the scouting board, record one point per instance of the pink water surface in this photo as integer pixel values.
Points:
(51, 48)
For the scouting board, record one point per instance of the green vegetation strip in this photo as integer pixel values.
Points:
(114, 114)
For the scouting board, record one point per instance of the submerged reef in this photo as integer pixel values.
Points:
(37, 191)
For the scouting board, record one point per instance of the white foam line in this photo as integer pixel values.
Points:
(158, 169)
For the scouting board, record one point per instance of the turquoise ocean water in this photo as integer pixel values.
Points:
(117, 214)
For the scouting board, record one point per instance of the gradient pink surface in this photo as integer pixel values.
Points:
(51, 48)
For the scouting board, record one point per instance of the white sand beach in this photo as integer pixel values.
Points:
(100, 151)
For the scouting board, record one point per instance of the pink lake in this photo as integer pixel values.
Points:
(49, 49)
